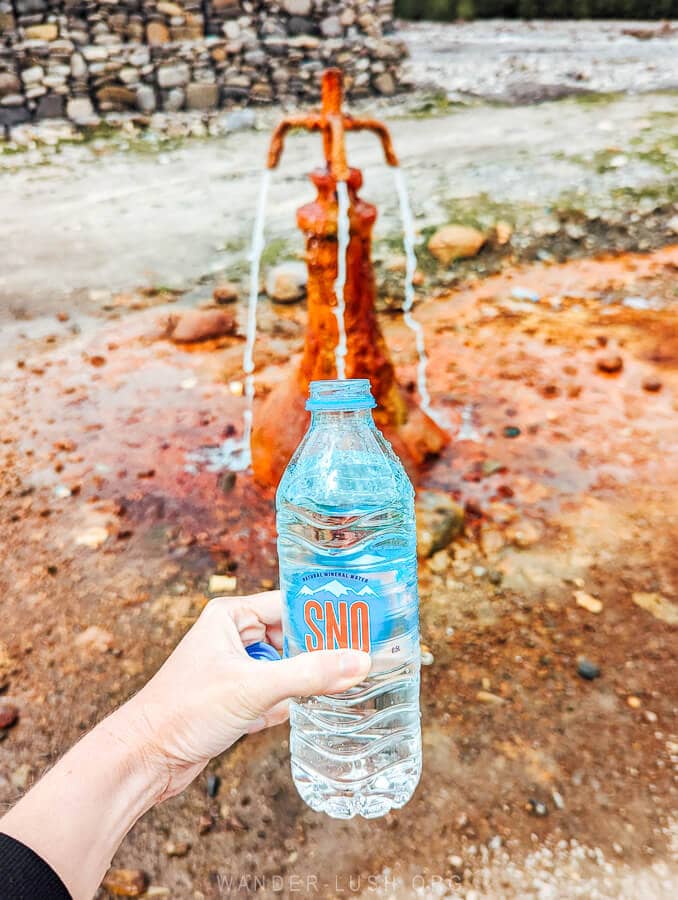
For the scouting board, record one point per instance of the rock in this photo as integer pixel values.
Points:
(171, 9)
(78, 66)
(523, 533)
(146, 101)
(81, 111)
(125, 882)
(157, 33)
(385, 84)
(657, 606)
(94, 639)
(650, 717)
(205, 823)
(226, 292)
(32, 75)
(286, 282)
(202, 96)
(174, 75)
(174, 101)
(297, 7)
(427, 658)
(652, 384)
(195, 325)
(503, 233)
(331, 27)
(298, 25)
(538, 808)
(213, 785)
(21, 776)
(511, 431)
(633, 702)
(521, 293)
(219, 583)
(9, 715)
(9, 84)
(179, 849)
(114, 96)
(611, 363)
(92, 537)
(672, 224)
(455, 242)
(50, 107)
(439, 521)
(587, 669)
(47, 32)
(588, 602)
(489, 698)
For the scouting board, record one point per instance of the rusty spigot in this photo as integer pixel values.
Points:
(281, 420)
(333, 123)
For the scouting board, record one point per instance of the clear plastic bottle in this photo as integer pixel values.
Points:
(348, 572)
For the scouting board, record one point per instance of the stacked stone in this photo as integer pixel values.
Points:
(82, 58)
(167, 21)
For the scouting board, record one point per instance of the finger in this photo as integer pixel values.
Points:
(275, 716)
(267, 606)
(308, 675)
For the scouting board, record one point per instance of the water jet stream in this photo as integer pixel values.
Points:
(409, 240)
(343, 237)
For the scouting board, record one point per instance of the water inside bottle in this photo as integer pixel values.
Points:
(347, 550)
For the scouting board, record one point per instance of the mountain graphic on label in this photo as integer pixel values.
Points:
(336, 589)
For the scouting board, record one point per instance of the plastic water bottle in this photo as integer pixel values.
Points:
(348, 572)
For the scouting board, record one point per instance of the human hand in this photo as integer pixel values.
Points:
(209, 692)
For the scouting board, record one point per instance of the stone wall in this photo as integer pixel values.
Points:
(82, 59)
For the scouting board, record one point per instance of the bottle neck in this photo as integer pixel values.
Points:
(341, 418)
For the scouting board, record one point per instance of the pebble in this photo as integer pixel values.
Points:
(650, 716)
(226, 292)
(521, 293)
(523, 533)
(652, 384)
(588, 602)
(587, 669)
(179, 849)
(633, 702)
(9, 715)
(205, 823)
(538, 808)
(427, 658)
(490, 699)
(558, 801)
(659, 607)
(219, 583)
(511, 431)
(455, 242)
(286, 282)
(196, 325)
(21, 776)
(125, 882)
(213, 784)
(611, 363)
(439, 521)
(92, 537)
(94, 638)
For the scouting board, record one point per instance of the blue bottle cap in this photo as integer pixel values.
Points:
(261, 650)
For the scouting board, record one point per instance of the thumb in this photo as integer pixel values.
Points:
(310, 674)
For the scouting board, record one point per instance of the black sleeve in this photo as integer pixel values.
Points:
(25, 876)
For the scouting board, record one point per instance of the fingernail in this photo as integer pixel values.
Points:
(354, 663)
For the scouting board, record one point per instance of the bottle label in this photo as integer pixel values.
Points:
(330, 610)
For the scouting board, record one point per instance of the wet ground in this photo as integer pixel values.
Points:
(537, 782)
(555, 350)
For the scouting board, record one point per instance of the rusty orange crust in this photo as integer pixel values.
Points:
(280, 422)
